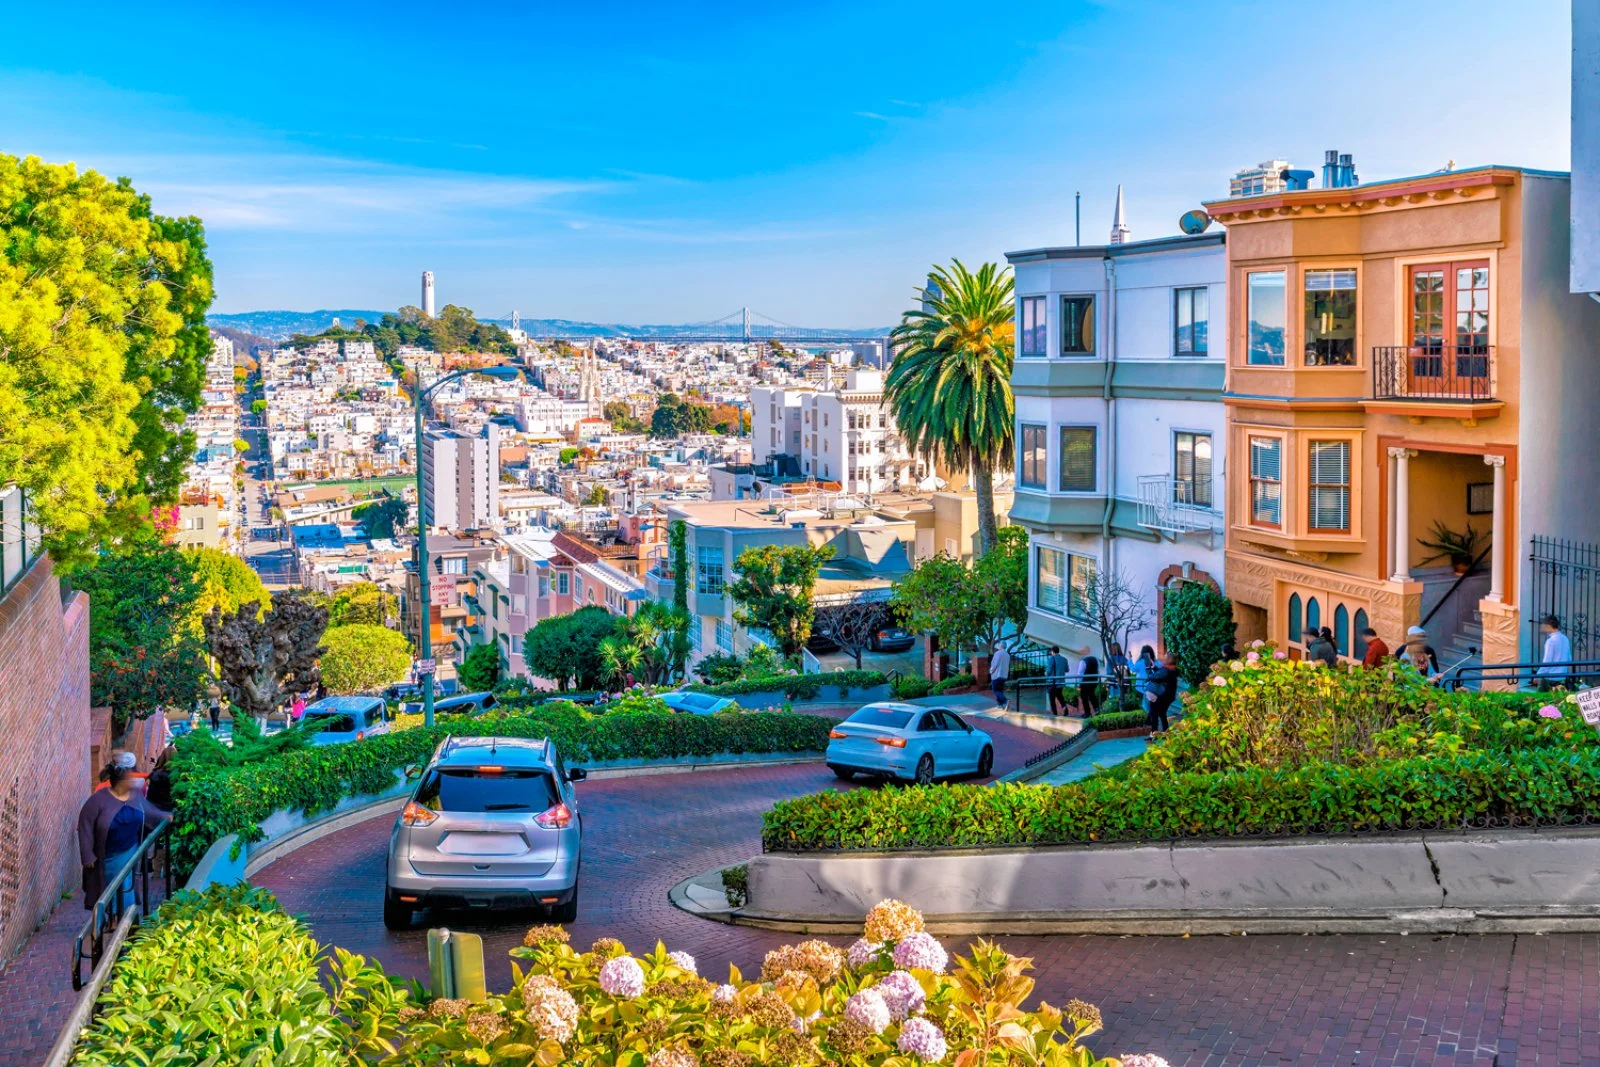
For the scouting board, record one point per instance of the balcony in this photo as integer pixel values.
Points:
(1176, 506)
(1451, 374)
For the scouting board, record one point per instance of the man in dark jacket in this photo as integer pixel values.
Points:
(1162, 689)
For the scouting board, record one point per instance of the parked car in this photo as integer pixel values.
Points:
(696, 703)
(492, 823)
(465, 704)
(822, 644)
(347, 719)
(892, 639)
(908, 741)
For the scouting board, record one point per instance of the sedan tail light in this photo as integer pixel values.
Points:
(415, 814)
(892, 742)
(836, 734)
(557, 818)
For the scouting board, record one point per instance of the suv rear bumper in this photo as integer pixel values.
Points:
(484, 899)
(559, 883)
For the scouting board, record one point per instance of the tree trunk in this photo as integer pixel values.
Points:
(983, 483)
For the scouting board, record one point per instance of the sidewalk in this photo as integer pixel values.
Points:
(36, 987)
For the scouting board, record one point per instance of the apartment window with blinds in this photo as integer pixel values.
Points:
(1062, 582)
(1077, 325)
(1191, 469)
(1031, 327)
(1032, 456)
(1190, 319)
(1266, 481)
(1329, 488)
(1077, 459)
(708, 570)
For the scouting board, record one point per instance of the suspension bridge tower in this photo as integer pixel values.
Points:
(746, 324)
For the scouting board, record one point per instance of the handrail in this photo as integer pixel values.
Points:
(1463, 576)
(108, 910)
(1455, 676)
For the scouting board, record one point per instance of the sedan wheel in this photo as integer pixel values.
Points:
(925, 770)
(986, 762)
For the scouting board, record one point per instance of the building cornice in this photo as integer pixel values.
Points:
(1451, 185)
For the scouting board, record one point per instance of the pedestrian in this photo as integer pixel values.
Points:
(298, 708)
(999, 672)
(1162, 691)
(1556, 662)
(111, 825)
(1089, 686)
(1143, 670)
(121, 757)
(1117, 672)
(1055, 680)
(1376, 651)
(215, 712)
(1322, 649)
(1420, 655)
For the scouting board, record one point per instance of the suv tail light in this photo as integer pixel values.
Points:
(557, 818)
(892, 742)
(414, 814)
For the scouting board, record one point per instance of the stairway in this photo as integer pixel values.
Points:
(1456, 652)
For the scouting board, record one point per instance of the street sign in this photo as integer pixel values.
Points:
(426, 666)
(1589, 704)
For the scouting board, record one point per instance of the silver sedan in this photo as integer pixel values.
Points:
(908, 741)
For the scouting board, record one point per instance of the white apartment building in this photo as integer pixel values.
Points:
(1120, 424)
(461, 478)
(1264, 177)
(842, 435)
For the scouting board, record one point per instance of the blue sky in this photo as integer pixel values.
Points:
(655, 162)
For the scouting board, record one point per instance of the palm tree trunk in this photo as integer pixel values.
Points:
(983, 482)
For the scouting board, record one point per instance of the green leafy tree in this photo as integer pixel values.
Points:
(566, 648)
(950, 386)
(358, 658)
(674, 416)
(263, 659)
(678, 560)
(143, 653)
(480, 671)
(258, 407)
(362, 603)
(969, 604)
(597, 496)
(383, 517)
(1197, 627)
(775, 589)
(226, 582)
(102, 351)
(646, 643)
(568, 455)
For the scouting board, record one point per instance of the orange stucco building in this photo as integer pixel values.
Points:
(1384, 344)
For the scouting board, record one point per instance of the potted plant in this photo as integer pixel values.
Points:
(1461, 547)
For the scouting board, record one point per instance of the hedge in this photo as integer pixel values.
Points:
(1117, 720)
(795, 686)
(212, 803)
(1473, 788)
(955, 681)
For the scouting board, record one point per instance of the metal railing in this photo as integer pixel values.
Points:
(1433, 372)
(1520, 675)
(108, 910)
(1176, 505)
(1565, 582)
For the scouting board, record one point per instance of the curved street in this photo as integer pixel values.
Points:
(1381, 999)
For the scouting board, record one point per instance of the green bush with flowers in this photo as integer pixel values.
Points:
(224, 976)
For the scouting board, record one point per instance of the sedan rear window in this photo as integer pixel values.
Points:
(336, 723)
(888, 718)
(472, 789)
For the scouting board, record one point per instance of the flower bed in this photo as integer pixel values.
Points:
(211, 802)
(225, 977)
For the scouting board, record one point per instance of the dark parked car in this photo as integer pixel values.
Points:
(892, 639)
(822, 644)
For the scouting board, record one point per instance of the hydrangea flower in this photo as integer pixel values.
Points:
(724, 993)
(920, 951)
(891, 920)
(1236, 665)
(1550, 711)
(671, 1057)
(862, 952)
(1219, 681)
(1252, 657)
(1258, 643)
(622, 977)
(683, 961)
(902, 993)
(1142, 1059)
(868, 1008)
(925, 1041)
(552, 1012)
(1280, 654)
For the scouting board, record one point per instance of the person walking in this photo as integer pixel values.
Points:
(1143, 670)
(1162, 691)
(1556, 662)
(297, 709)
(1420, 654)
(999, 673)
(215, 713)
(1322, 649)
(1376, 651)
(1088, 686)
(1116, 673)
(111, 825)
(1055, 672)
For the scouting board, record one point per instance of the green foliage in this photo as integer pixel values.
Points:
(795, 686)
(568, 455)
(258, 407)
(1117, 720)
(910, 686)
(955, 681)
(774, 589)
(643, 645)
(736, 884)
(104, 343)
(1197, 625)
(226, 582)
(720, 668)
(678, 547)
(621, 417)
(358, 658)
(950, 385)
(455, 329)
(566, 648)
(967, 604)
(200, 751)
(362, 603)
(480, 671)
(675, 416)
(144, 651)
(213, 803)
(383, 517)
(596, 497)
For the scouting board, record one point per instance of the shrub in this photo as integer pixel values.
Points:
(795, 686)
(736, 884)
(955, 681)
(720, 668)
(361, 657)
(1197, 625)
(1117, 720)
(480, 671)
(910, 686)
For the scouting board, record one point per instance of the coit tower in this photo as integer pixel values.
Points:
(427, 293)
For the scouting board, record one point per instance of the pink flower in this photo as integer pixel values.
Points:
(1252, 657)
(1550, 711)
(1280, 654)
(868, 1008)
(1258, 643)
(920, 952)
(862, 952)
(902, 993)
(621, 976)
(922, 1039)
(684, 961)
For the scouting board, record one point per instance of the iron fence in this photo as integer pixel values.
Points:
(1565, 582)
(1433, 372)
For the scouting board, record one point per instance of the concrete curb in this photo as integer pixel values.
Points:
(1080, 743)
(1039, 724)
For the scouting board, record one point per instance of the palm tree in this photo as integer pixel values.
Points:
(950, 385)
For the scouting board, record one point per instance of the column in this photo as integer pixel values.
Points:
(1497, 553)
(1388, 530)
(1402, 514)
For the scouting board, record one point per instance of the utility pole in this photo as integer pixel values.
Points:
(425, 617)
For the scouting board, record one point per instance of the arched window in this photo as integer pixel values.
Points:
(1341, 630)
(1313, 618)
(1359, 650)
(1294, 616)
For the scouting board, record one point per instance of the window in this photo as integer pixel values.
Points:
(1032, 453)
(563, 583)
(1077, 459)
(1330, 485)
(453, 565)
(708, 570)
(695, 626)
(1341, 629)
(1191, 469)
(1264, 295)
(1189, 321)
(1359, 650)
(1030, 327)
(1295, 623)
(1313, 618)
(1450, 320)
(724, 635)
(544, 585)
(1062, 582)
(1266, 481)
(1077, 325)
(1330, 299)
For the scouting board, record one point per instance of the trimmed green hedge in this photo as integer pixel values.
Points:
(1117, 720)
(212, 802)
(795, 686)
(955, 681)
(1545, 785)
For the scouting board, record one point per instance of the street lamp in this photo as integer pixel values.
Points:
(419, 397)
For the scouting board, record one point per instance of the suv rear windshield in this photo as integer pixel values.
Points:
(331, 722)
(885, 717)
(470, 789)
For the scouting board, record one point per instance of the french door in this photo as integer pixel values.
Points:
(1450, 328)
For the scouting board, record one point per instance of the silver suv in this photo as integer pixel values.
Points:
(493, 823)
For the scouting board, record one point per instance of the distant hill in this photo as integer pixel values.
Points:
(280, 325)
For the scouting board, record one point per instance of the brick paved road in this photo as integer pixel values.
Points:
(1382, 999)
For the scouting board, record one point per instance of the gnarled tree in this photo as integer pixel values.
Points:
(262, 660)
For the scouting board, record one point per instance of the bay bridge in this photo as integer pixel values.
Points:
(743, 326)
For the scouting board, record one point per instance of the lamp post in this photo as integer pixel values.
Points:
(419, 398)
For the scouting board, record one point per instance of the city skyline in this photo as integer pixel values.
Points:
(674, 166)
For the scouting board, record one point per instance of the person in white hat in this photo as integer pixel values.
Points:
(1420, 654)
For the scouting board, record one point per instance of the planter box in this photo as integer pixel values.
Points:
(1132, 731)
(867, 694)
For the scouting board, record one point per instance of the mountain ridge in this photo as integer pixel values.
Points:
(279, 325)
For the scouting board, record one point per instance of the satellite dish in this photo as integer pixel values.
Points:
(1194, 222)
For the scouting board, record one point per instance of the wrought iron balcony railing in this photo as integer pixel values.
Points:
(1433, 372)
(1176, 505)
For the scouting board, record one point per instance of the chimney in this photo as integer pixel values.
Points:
(1338, 170)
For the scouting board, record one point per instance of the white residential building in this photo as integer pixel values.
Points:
(1264, 177)
(837, 435)
(461, 477)
(1120, 428)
